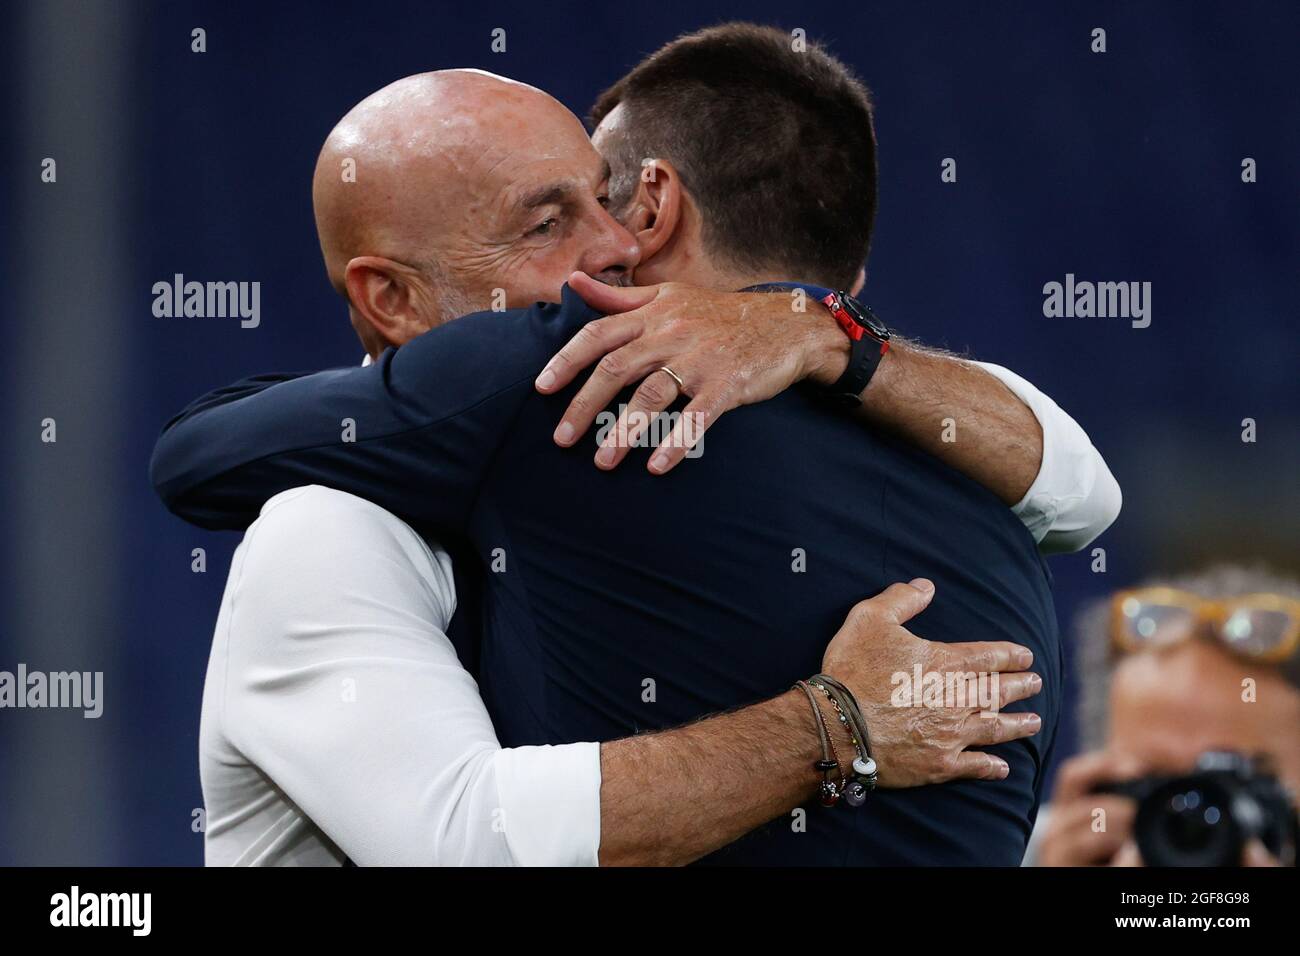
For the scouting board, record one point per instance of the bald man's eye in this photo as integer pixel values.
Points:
(544, 229)
(604, 201)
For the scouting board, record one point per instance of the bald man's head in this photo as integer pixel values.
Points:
(442, 188)
(390, 166)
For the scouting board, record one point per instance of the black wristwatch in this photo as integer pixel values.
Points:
(870, 342)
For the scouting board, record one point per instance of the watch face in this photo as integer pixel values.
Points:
(864, 317)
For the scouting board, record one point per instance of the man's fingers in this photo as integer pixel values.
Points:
(988, 656)
(976, 765)
(1087, 832)
(983, 730)
(597, 338)
(1098, 812)
(1256, 854)
(1020, 686)
(1128, 855)
(610, 376)
(1079, 776)
(900, 602)
(611, 299)
(656, 393)
(701, 412)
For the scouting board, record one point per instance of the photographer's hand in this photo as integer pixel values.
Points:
(1254, 854)
(1086, 828)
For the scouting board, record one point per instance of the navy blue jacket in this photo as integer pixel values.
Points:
(687, 579)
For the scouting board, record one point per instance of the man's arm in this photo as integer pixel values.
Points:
(995, 427)
(1074, 497)
(954, 410)
(413, 433)
(673, 797)
(341, 686)
(732, 349)
(331, 593)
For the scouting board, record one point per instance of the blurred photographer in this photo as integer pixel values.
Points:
(1190, 728)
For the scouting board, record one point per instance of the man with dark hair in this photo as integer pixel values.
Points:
(616, 603)
(762, 134)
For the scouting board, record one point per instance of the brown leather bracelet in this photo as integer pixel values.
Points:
(828, 791)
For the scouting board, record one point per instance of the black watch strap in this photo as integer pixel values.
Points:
(870, 342)
(864, 358)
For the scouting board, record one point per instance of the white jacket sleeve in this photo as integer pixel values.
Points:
(342, 687)
(1074, 497)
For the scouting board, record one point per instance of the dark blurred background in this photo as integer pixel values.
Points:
(1117, 166)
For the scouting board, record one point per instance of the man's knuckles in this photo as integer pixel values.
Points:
(613, 365)
(656, 392)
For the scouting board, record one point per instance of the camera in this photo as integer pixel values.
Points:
(1206, 817)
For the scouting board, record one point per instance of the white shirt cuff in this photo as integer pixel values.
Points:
(550, 801)
(1074, 497)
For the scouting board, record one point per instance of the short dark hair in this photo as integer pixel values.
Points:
(775, 145)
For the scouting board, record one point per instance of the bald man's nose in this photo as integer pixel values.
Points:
(614, 248)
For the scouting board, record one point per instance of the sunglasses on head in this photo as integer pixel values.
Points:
(1262, 627)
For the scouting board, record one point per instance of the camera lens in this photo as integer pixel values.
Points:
(1189, 822)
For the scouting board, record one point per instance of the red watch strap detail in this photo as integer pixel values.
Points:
(844, 320)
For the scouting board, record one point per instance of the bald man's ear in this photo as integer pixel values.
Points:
(389, 297)
(655, 212)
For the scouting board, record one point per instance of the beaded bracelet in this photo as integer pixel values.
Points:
(865, 774)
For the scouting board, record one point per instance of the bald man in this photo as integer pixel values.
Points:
(543, 218)
(471, 192)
